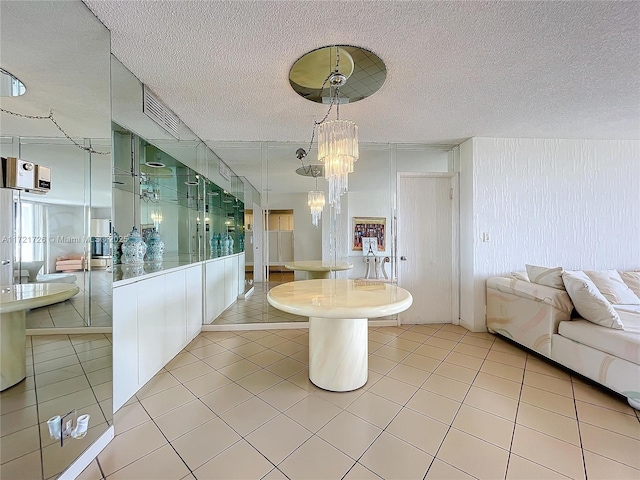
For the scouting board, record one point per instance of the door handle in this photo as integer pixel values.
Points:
(403, 258)
(6, 262)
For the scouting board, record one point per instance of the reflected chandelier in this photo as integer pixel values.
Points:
(337, 144)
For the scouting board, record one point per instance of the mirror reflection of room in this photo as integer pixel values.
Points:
(56, 307)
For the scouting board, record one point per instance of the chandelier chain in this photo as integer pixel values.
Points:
(334, 100)
(53, 120)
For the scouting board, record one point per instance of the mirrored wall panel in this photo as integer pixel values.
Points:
(55, 226)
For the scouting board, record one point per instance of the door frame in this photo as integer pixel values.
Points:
(454, 184)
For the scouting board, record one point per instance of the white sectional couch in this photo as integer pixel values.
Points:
(544, 319)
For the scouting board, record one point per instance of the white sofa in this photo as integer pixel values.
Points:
(544, 320)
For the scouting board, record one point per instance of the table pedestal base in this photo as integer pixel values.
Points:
(338, 353)
(317, 275)
(13, 366)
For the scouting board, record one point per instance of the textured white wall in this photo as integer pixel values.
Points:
(570, 203)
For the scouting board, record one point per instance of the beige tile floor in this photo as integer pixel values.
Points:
(440, 403)
(63, 372)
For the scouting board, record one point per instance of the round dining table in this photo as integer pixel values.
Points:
(338, 312)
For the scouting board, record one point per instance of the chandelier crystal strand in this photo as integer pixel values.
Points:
(338, 150)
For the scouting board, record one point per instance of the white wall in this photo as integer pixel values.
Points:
(570, 203)
(466, 235)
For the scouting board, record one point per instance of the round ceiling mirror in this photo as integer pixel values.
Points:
(10, 86)
(363, 70)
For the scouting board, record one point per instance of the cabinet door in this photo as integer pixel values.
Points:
(286, 222)
(151, 327)
(214, 289)
(175, 313)
(125, 341)
(229, 281)
(274, 223)
(194, 293)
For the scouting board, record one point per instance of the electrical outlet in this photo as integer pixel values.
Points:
(485, 237)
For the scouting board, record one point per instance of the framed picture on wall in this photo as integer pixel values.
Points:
(369, 227)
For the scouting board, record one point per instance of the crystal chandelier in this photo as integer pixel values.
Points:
(338, 151)
(315, 200)
(337, 143)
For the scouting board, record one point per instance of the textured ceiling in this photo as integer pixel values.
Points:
(455, 69)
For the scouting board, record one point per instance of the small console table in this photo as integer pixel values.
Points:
(15, 300)
(317, 268)
(338, 312)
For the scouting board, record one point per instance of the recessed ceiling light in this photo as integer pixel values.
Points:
(154, 164)
(191, 182)
(213, 194)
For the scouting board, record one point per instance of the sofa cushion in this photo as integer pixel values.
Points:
(589, 302)
(632, 279)
(611, 286)
(551, 277)
(619, 343)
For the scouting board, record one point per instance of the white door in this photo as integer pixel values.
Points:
(426, 250)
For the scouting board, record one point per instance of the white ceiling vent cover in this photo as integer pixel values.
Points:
(159, 113)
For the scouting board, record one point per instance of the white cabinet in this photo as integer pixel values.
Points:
(156, 316)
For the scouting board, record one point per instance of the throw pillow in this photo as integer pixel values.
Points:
(632, 279)
(613, 288)
(589, 302)
(551, 277)
(520, 276)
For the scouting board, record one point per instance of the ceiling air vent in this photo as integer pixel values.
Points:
(156, 111)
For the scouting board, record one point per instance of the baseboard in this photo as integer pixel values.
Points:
(254, 326)
(247, 293)
(280, 326)
(88, 456)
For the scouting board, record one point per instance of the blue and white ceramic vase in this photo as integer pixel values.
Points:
(230, 244)
(155, 247)
(224, 242)
(132, 270)
(241, 243)
(133, 249)
(213, 245)
(116, 248)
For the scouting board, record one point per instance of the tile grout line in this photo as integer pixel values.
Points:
(575, 406)
(515, 420)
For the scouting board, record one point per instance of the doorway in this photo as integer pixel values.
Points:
(428, 246)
